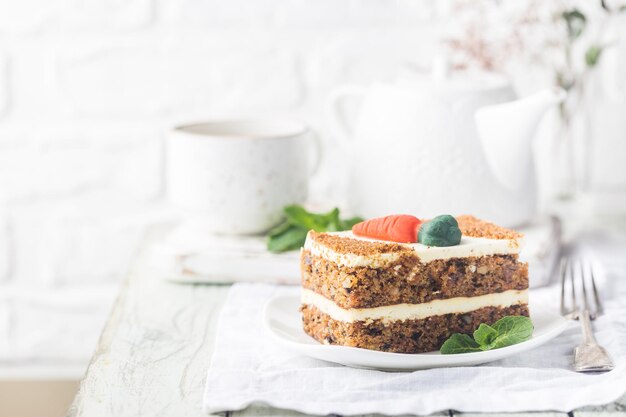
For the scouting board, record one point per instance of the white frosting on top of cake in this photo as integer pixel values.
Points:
(457, 305)
(469, 246)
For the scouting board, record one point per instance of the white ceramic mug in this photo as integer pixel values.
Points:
(237, 175)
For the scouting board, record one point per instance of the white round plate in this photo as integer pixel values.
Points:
(284, 322)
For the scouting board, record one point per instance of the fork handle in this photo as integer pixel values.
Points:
(585, 320)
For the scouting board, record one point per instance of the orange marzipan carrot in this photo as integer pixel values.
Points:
(401, 228)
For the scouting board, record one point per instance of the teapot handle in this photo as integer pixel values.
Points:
(337, 122)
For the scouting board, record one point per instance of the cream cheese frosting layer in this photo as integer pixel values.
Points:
(469, 247)
(395, 312)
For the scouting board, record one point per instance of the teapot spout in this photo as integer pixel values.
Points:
(506, 131)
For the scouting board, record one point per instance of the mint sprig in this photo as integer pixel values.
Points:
(507, 331)
(291, 234)
(459, 343)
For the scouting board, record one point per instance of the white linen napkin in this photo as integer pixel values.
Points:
(249, 367)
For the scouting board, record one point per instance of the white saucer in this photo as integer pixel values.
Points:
(284, 322)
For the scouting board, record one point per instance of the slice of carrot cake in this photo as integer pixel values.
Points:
(397, 284)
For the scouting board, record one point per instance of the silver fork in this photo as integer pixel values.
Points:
(589, 356)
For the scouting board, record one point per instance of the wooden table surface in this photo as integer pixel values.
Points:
(155, 349)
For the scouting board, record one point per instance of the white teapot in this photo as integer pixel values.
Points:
(433, 145)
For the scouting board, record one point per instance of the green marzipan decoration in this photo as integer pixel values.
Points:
(441, 231)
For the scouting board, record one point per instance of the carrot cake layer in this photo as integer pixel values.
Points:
(400, 336)
(409, 281)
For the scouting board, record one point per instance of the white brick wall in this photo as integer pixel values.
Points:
(5, 326)
(105, 15)
(6, 249)
(87, 90)
(4, 84)
(28, 16)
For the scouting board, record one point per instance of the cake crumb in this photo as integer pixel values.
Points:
(342, 244)
(475, 227)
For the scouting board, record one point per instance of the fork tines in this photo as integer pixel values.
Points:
(577, 276)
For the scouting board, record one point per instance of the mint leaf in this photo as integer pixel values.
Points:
(290, 239)
(298, 216)
(592, 56)
(459, 343)
(485, 334)
(332, 220)
(291, 234)
(280, 229)
(507, 331)
(511, 330)
(323, 222)
(576, 22)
